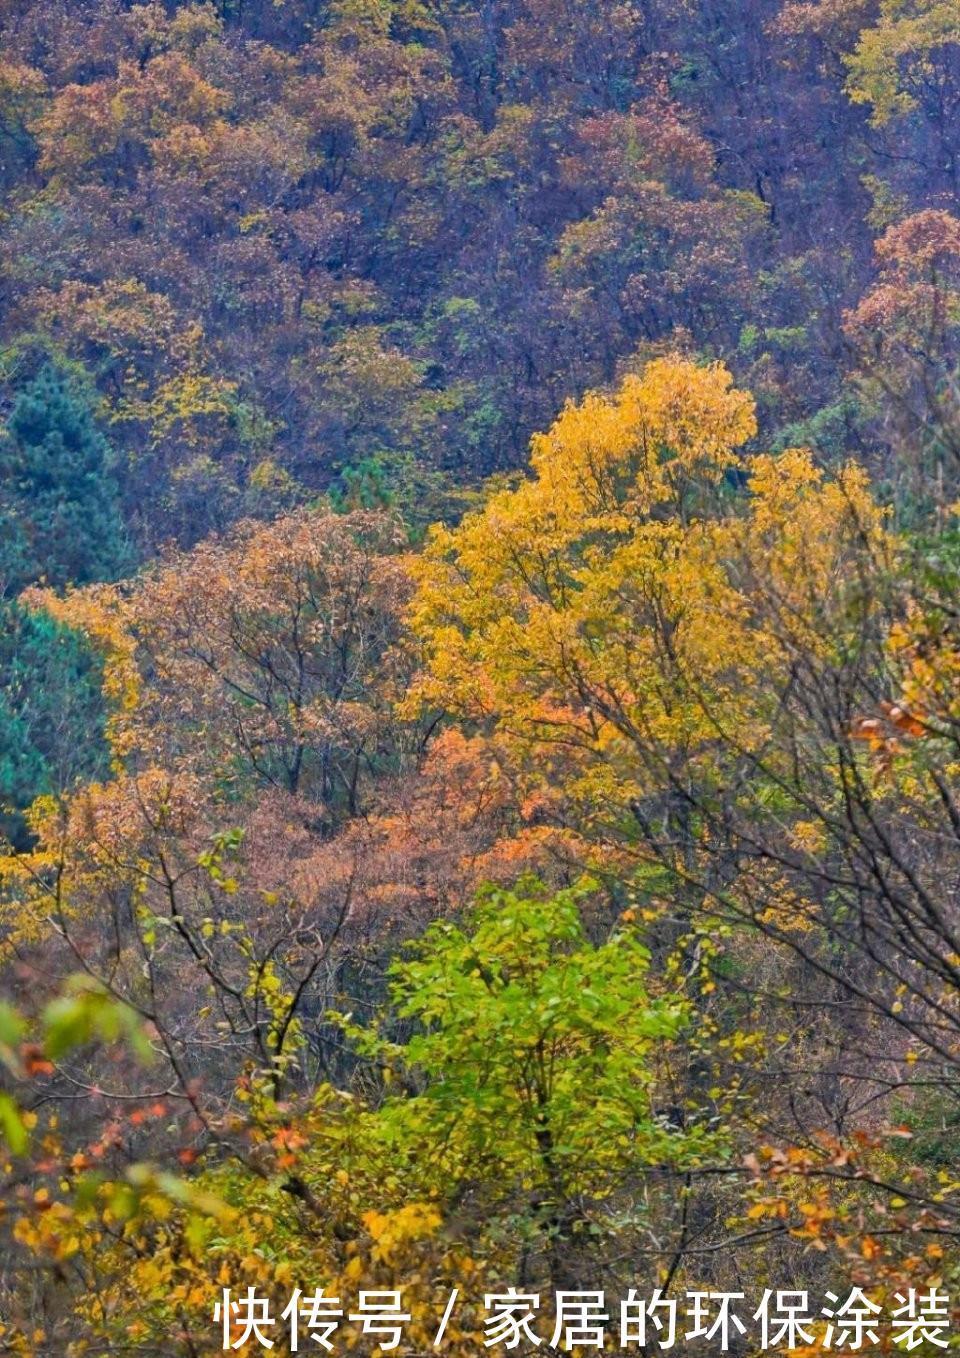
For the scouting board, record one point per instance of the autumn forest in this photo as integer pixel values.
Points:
(479, 674)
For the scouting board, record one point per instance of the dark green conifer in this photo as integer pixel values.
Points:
(60, 518)
(60, 523)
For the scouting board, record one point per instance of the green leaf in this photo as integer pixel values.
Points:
(12, 1126)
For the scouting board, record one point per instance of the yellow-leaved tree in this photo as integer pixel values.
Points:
(701, 663)
(612, 612)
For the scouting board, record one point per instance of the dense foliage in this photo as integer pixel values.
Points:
(292, 241)
(479, 656)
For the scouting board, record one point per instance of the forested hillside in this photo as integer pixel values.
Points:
(479, 671)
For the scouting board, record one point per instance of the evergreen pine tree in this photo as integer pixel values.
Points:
(59, 508)
(51, 712)
(60, 523)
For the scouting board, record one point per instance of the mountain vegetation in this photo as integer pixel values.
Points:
(479, 660)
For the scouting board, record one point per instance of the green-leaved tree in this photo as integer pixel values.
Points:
(60, 523)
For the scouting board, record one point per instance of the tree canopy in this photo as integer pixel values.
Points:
(479, 659)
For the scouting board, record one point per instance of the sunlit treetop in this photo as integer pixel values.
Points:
(625, 593)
